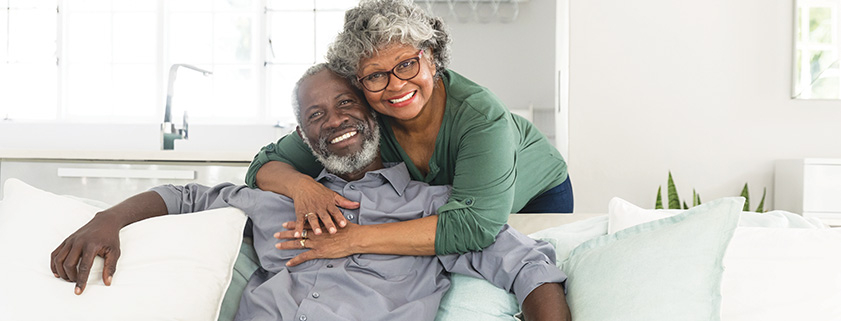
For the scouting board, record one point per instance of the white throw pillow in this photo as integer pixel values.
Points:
(174, 267)
(623, 214)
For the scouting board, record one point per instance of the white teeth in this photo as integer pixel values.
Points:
(343, 137)
(404, 98)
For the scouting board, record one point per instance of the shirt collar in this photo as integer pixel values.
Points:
(396, 174)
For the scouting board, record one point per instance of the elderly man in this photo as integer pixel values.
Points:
(343, 134)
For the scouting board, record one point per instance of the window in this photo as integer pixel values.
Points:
(109, 60)
(816, 59)
(28, 73)
(315, 23)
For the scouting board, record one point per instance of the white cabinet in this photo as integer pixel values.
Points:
(810, 186)
(113, 181)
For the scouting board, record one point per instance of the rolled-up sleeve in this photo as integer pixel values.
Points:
(514, 262)
(289, 149)
(483, 185)
(193, 197)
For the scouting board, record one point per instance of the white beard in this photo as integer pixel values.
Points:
(352, 163)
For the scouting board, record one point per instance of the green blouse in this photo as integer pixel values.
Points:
(496, 162)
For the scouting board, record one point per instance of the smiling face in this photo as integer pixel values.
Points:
(401, 99)
(337, 124)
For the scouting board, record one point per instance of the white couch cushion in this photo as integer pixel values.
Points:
(175, 267)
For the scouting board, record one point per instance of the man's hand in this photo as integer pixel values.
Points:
(324, 246)
(72, 260)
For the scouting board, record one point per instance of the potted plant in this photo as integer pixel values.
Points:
(675, 203)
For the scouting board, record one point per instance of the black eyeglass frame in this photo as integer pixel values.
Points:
(391, 72)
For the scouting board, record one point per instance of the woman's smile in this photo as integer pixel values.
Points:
(403, 100)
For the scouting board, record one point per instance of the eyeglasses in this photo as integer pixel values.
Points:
(404, 70)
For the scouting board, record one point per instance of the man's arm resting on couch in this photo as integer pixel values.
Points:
(72, 260)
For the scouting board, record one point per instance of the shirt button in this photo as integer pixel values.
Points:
(468, 202)
(350, 216)
(353, 187)
(329, 266)
(303, 317)
(315, 295)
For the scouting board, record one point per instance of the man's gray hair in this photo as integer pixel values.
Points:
(296, 104)
(376, 24)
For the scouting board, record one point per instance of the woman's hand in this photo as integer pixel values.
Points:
(328, 246)
(315, 202)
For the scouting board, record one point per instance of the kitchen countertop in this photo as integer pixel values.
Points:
(141, 155)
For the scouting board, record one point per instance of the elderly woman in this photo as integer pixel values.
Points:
(447, 129)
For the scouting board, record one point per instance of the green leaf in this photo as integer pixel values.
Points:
(697, 199)
(761, 207)
(684, 205)
(747, 198)
(658, 205)
(674, 199)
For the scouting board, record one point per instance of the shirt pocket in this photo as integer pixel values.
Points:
(386, 267)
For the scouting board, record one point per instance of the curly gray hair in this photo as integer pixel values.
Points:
(376, 24)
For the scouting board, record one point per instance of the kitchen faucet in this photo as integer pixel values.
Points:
(169, 133)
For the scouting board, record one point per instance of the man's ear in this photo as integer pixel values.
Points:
(298, 130)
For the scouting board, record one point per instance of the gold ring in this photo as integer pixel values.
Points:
(304, 234)
(302, 243)
(307, 216)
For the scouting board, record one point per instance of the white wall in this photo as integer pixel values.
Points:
(515, 60)
(701, 88)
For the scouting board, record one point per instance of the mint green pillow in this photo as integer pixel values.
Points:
(669, 269)
(245, 265)
(470, 298)
(566, 237)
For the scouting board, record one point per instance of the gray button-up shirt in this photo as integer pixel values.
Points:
(364, 286)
